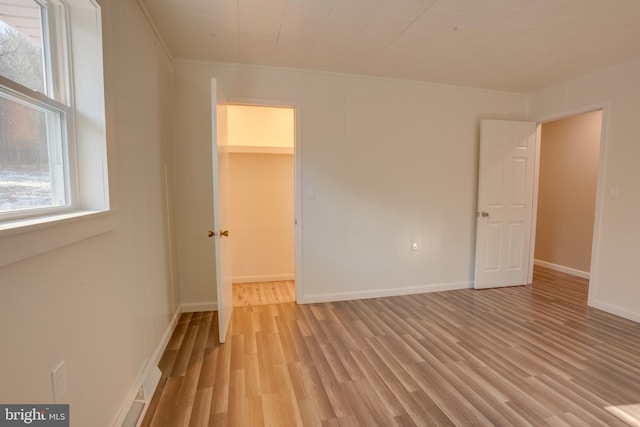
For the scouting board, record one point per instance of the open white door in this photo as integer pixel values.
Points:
(220, 204)
(505, 203)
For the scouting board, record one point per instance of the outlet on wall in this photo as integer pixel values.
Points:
(59, 381)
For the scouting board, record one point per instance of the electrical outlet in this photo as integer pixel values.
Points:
(59, 382)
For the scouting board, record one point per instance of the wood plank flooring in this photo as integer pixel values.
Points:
(555, 285)
(262, 293)
(529, 355)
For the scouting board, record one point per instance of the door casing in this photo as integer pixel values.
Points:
(600, 190)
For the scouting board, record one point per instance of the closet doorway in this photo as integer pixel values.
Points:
(262, 203)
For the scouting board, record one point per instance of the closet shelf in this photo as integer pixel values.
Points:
(258, 150)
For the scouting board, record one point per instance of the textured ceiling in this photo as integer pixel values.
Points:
(512, 45)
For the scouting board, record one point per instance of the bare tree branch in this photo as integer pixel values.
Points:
(11, 52)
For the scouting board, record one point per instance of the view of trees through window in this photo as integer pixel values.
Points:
(25, 175)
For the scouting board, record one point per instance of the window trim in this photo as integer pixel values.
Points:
(85, 160)
(30, 237)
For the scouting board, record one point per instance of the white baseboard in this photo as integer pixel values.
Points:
(562, 269)
(162, 345)
(195, 307)
(391, 292)
(615, 310)
(263, 278)
(148, 377)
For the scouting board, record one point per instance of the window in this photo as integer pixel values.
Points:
(32, 172)
(52, 148)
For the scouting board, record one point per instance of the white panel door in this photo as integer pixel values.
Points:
(220, 205)
(505, 203)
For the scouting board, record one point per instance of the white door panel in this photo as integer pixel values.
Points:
(505, 199)
(220, 157)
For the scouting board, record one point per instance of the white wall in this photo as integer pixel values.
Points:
(261, 216)
(614, 276)
(389, 162)
(260, 126)
(102, 304)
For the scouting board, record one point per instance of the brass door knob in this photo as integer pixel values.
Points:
(224, 233)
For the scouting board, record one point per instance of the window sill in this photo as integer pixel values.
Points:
(26, 238)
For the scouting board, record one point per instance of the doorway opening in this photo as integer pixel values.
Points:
(262, 203)
(570, 150)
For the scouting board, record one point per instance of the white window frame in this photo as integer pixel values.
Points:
(57, 100)
(78, 87)
(66, 149)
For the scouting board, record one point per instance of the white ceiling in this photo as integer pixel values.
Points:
(512, 45)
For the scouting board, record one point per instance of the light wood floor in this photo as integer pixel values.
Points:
(529, 355)
(263, 293)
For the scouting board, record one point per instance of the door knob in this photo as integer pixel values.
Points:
(224, 233)
(483, 214)
(211, 233)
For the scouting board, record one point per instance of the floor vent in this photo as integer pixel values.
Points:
(139, 406)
